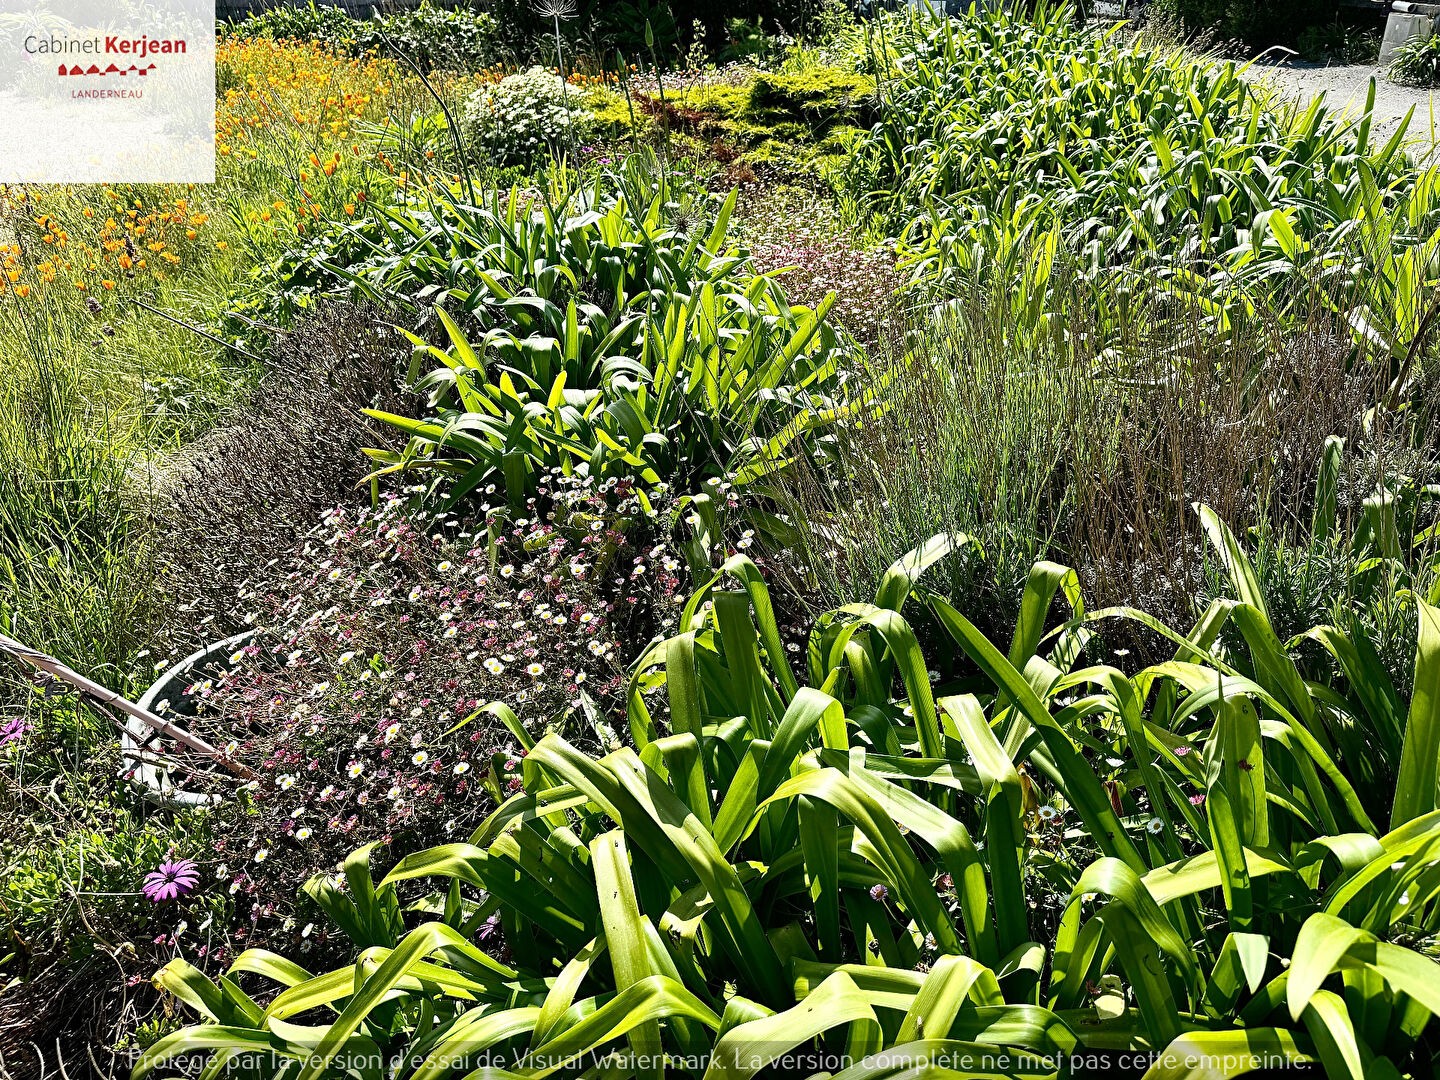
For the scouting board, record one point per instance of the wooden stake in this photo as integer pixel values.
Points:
(91, 689)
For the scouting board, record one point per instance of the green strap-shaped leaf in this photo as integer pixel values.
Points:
(1233, 559)
(661, 825)
(1274, 669)
(1196, 874)
(746, 1050)
(191, 986)
(625, 936)
(1370, 683)
(1239, 968)
(419, 943)
(650, 1000)
(1045, 580)
(1220, 1055)
(565, 919)
(193, 1040)
(1327, 482)
(1235, 758)
(950, 984)
(925, 1058)
(1322, 941)
(1328, 1022)
(1111, 877)
(1004, 827)
(892, 853)
(900, 578)
(809, 710)
(1415, 787)
(564, 988)
(1082, 787)
(683, 684)
(471, 1033)
(952, 843)
(820, 848)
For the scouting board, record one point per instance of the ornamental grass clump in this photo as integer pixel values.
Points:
(1078, 437)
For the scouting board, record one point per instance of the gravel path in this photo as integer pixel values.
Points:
(1345, 86)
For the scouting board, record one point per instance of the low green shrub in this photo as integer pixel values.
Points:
(722, 99)
(794, 109)
(433, 38)
(1017, 855)
(1258, 25)
(612, 114)
(818, 97)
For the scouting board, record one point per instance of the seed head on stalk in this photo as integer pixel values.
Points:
(555, 11)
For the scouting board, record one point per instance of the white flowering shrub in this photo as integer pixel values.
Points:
(524, 115)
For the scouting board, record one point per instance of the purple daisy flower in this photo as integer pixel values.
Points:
(13, 730)
(171, 880)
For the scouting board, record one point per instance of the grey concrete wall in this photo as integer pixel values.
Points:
(1400, 28)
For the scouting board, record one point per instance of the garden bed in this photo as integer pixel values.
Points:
(915, 535)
